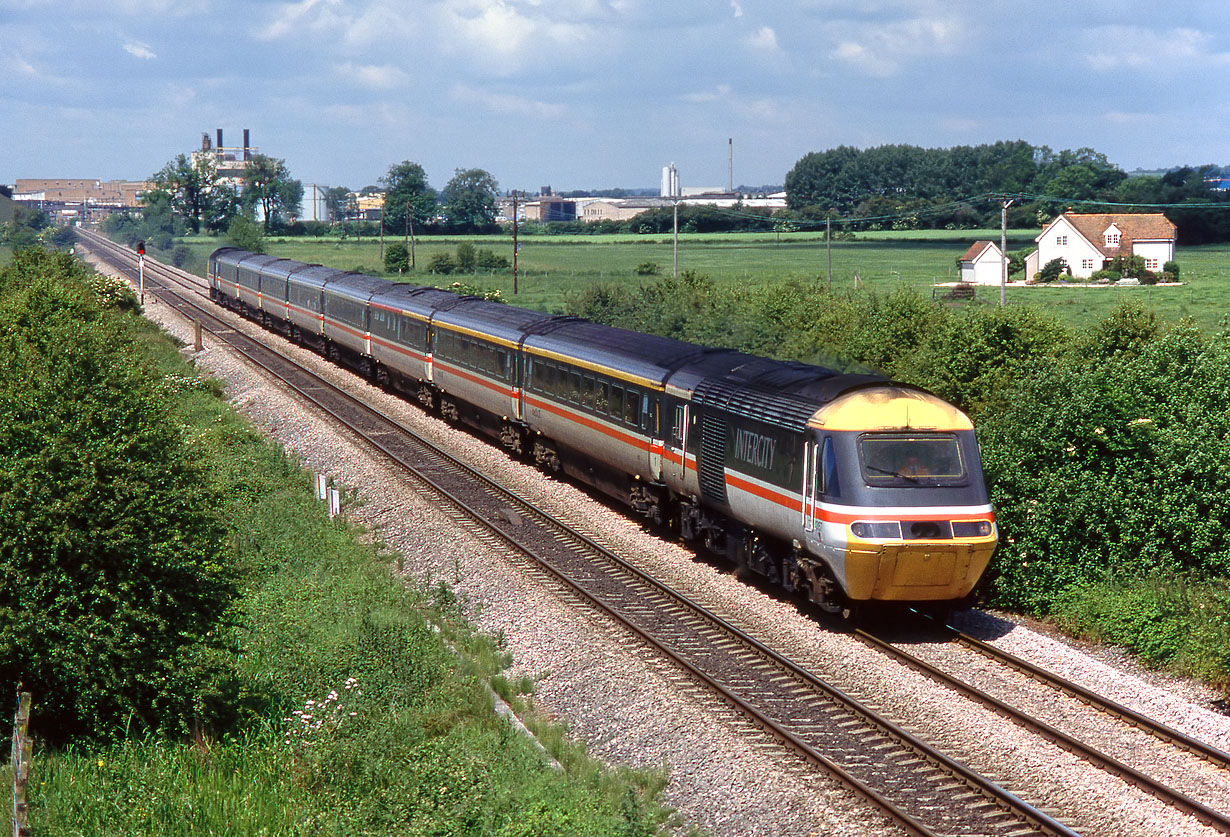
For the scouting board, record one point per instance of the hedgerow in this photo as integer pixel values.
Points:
(114, 581)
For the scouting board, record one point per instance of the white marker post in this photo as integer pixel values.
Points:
(141, 268)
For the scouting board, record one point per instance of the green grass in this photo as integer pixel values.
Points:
(550, 267)
(422, 753)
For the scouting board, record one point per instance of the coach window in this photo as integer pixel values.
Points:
(602, 397)
(617, 401)
(677, 430)
(574, 387)
(632, 408)
(587, 391)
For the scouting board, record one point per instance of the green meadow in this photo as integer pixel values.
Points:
(550, 267)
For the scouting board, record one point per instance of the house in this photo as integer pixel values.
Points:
(982, 264)
(1087, 242)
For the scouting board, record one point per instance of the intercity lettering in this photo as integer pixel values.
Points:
(755, 449)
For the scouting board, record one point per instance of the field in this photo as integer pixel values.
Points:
(549, 267)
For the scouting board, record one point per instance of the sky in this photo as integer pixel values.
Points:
(595, 94)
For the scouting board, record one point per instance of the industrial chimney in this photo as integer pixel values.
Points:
(219, 139)
(247, 155)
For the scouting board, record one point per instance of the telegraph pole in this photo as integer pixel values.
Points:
(1003, 251)
(514, 197)
(828, 245)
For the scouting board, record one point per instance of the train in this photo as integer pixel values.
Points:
(850, 490)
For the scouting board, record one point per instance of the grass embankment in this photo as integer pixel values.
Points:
(355, 718)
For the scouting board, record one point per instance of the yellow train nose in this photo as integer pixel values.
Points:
(927, 571)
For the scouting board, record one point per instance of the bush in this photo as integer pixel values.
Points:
(397, 258)
(180, 255)
(488, 260)
(467, 256)
(1105, 275)
(1052, 270)
(246, 234)
(114, 579)
(441, 263)
(647, 269)
(1171, 268)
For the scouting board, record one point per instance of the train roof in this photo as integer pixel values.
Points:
(505, 323)
(316, 275)
(357, 286)
(645, 358)
(283, 268)
(229, 255)
(414, 299)
(784, 393)
(256, 261)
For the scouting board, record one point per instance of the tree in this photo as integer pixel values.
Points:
(469, 199)
(267, 184)
(190, 185)
(406, 186)
(339, 202)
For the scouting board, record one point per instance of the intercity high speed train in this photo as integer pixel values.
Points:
(844, 488)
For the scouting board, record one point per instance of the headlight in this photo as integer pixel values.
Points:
(879, 529)
(972, 529)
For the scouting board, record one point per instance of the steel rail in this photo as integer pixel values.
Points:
(1209, 816)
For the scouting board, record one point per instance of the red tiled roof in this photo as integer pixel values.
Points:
(975, 250)
(1132, 227)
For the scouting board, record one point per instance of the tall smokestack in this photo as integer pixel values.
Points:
(730, 145)
(219, 139)
(247, 155)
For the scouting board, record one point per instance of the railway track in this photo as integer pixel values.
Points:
(1218, 758)
(921, 789)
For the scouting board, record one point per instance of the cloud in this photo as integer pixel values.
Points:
(1113, 48)
(499, 35)
(382, 77)
(881, 50)
(763, 38)
(507, 103)
(721, 93)
(738, 10)
(139, 50)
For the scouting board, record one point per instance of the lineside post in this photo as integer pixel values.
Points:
(21, 764)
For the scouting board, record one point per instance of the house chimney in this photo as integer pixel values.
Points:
(247, 155)
(205, 140)
(219, 139)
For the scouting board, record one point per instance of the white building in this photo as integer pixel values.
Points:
(982, 264)
(1087, 242)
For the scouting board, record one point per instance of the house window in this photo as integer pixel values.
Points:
(1061, 241)
(1112, 239)
(1151, 264)
(1086, 264)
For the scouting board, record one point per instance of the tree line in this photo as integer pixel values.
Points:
(909, 187)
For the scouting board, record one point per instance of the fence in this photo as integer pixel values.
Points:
(21, 763)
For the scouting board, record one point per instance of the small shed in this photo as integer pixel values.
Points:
(982, 264)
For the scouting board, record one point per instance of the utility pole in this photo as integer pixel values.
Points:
(675, 201)
(1003, 251)
(828, 245)
(515, 248)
